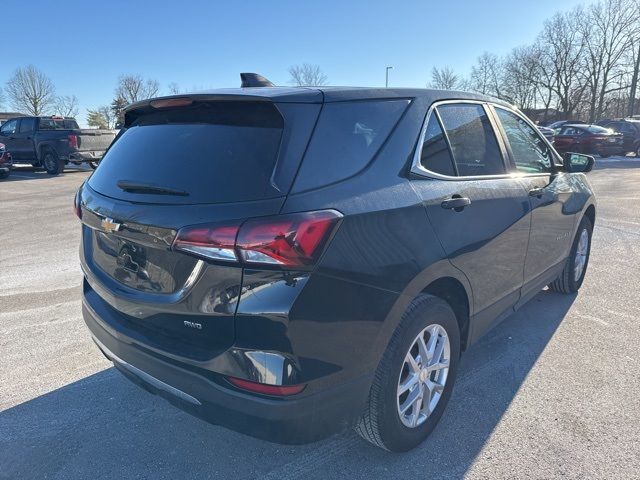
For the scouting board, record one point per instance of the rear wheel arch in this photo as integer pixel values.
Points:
(452, 291)
(441, 280)
(42, 150)
(590, 213)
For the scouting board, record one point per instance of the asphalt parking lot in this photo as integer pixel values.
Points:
(554, 391)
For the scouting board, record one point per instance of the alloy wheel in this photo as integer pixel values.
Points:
(581, 255)
(423, 375)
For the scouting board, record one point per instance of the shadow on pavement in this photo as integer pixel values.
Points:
(104, 427)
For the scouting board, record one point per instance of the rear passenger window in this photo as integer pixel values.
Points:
(435, 155)
(345, 140)
(473, 142)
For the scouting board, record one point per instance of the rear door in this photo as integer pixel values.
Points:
(24, 144)
(549, 192)
(479, 213)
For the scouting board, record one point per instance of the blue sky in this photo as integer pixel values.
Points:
(84, 45)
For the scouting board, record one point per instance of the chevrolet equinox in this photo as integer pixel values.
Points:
(288, 262)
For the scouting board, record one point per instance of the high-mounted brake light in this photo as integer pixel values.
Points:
(171, 102)
(73, 141)
(292, 240)
(265, 389)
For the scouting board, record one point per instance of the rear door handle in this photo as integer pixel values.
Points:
(536, 192)
(456, 203)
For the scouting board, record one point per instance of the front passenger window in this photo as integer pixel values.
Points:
(9, 127)
(530, 153)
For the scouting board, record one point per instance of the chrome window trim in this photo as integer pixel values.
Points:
(418, 169)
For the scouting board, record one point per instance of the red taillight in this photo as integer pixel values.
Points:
(77, 208)
(278, 390)
(73, 141)
(293, 240)
(211, 241)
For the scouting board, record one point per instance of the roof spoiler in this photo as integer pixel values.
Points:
(254, 80)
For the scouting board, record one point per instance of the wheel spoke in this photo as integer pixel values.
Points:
(413, 365)
(437, 354)
(410, 381)
(423, 350)
(438, 366)
(413, 397)
(432, 343)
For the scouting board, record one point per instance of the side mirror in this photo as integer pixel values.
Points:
(578, 162)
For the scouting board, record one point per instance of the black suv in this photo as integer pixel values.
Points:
(288, 262)
(630, 130)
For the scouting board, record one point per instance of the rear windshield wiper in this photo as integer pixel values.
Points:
(135, 187)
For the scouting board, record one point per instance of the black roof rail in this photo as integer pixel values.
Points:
(254, 80)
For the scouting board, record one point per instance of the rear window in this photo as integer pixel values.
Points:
(215, 152)
(58, 124)
(345, 140)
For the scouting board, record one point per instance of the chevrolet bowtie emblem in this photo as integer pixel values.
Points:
(108, 225)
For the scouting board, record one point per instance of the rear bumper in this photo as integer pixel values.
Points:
(86, 156)
(298, 419)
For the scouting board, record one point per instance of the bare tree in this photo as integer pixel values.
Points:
(307, 75)
(487, 75)
(521, 76)
(66, 105)
(633, 58)
(174, 88)
(2, 98)
(446, 79)
(31, 91)
(107, 114)
(606, 30)
(563, 45)
(133, 88)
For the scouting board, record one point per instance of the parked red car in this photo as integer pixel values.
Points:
(6, 162)
(589, 139)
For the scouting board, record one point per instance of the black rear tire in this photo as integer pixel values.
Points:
(52, 163)
(380, 423)
(4, 175)
(566, 281)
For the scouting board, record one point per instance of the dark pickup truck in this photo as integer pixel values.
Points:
(53, 142)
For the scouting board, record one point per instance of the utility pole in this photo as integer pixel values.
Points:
(386, 80)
